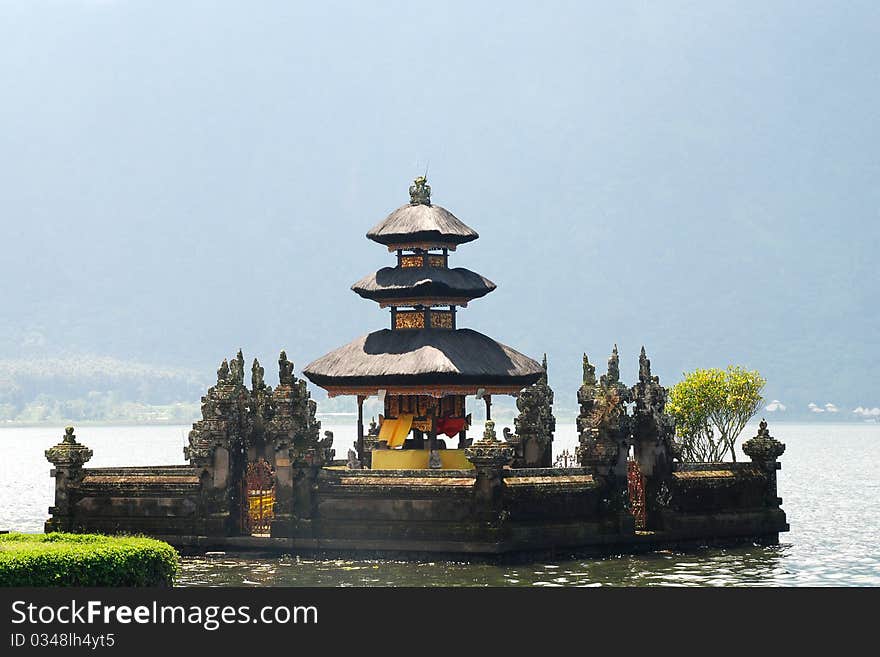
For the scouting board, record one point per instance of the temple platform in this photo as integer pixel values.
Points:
(640, 543)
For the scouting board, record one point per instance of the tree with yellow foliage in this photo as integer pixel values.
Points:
(711, 408)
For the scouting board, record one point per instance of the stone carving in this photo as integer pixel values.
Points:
(353, 463)
(535, 425)
(235, 418)
(603, 423)
(565, 460)
(653, 432)
(236, 369)
(285, 369)
(664, 495)
(326, 447)
(257, 374)
(420, 191)
(239, 426)
(653, 428)
(223, 372)
(489, 450)
(434, 461)
(371, 439)
(763, 448)
(489, 456)
(586, 396)
(645, 367)
(607, 432)
(68, 457)
(68, 453)
(613, 375)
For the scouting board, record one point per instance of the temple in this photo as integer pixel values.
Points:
(260, 474)
(423, 368)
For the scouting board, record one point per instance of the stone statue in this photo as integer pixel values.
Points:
(353, 463)
(257, 373)
(586, 396)
(434, 461)
(535, 425)
(420, 192)
(613, 375)
(223, 372)
(325, 447)
(285, 369)
(644, 366)
(589, 372)
(70, 438)
(236, 369)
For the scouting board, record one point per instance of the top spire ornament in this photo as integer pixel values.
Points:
(420, 192)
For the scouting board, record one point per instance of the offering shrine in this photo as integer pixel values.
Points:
(424, 367)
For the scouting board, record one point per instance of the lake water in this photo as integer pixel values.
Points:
(829, 483)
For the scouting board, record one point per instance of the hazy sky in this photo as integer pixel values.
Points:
(178, 179)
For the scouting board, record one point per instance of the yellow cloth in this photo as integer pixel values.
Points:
(386, 431)
(401, 430)
(394, 432)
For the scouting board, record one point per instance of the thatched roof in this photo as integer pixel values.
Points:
(423, 282)
(423, 357)
(421, 223)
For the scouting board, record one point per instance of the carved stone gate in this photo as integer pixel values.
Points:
(259, 498)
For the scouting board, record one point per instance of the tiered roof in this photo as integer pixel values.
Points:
(413, 358)
(421, 224)
(424, 352)
(396, 285)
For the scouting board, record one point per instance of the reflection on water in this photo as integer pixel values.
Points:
(829, 485)
(746, 566)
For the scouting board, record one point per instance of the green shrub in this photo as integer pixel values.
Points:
(85, 560)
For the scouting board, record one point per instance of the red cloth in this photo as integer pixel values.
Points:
(451, 426)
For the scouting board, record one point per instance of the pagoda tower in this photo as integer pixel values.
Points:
(424, 366)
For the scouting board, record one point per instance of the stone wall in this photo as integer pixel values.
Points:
(150, 500)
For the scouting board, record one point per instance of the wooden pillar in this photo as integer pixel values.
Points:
(488, 399)
(432, 435)
(462, 439)
(360, 428)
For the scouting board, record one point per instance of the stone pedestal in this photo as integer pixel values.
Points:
(68, 457)
(765, 450)
(489, 456)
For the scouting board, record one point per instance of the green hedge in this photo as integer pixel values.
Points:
(85, 560)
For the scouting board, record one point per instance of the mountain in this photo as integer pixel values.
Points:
(178, 183)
